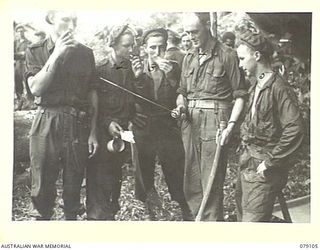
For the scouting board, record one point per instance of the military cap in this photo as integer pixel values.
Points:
(40, 33)
(155, 32)
(20, 26)
(184, 34)
(256, 41)
(116, 32)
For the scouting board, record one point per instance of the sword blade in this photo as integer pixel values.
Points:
(135, 94)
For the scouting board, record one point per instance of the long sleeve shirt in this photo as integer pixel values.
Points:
(275, 129)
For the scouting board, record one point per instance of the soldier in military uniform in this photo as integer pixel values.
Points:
(210, 82)
(271, 132)
(116, 108)
(156, 132)
(61, 76)
(20, 45)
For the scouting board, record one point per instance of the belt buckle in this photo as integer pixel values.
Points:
(192, 103)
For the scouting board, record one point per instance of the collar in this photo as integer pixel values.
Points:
(269, 82)
(209, 50)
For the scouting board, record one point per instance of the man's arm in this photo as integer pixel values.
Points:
(291, 126)
(93, 139)
(236, 111)
(40, 82)
(236, 79)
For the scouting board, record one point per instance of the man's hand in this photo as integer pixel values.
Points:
(114, 129)
(261, 168)
(179, 112)
(137, 65)
(64, 43)
(92, 145)
(164, 65)
(224, 135)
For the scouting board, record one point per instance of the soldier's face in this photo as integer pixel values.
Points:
(20, 32)
(186, 42)
(198, 32)
(229, 42)
(155, 47)
(247, 60)
(64, 21)
(124, 47)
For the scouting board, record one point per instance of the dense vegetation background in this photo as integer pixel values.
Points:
(295, 56)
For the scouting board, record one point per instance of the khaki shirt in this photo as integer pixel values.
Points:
(218, 77)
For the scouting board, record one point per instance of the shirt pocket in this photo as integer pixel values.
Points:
(214, 76)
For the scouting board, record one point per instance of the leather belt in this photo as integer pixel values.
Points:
(208, 104)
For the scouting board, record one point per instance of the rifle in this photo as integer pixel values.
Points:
(213, 171)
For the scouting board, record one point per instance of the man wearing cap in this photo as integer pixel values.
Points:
(61, 75)
(20, 45)
(173, 52)
(116, 108)
(271, 132)
(156, 132)
(210, 82)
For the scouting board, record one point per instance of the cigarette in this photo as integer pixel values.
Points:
(173, 61)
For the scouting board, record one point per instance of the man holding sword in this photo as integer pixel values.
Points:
(210, 82)
(61, 75)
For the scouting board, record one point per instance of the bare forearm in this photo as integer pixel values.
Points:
(40, 83)
(236, 111)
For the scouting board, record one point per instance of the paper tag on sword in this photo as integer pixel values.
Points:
(127, 136)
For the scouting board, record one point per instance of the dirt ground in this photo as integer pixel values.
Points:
(134, 210)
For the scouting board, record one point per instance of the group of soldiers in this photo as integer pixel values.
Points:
(184, 107)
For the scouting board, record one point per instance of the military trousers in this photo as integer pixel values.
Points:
(161, 139)
(104, 179)
(58, 141)
(255, 195)
(199, 140)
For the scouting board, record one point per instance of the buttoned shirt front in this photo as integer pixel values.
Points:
(218, 77)
(114, 103)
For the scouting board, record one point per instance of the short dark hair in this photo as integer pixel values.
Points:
(228, 35)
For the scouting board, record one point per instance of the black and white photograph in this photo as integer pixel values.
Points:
(161, 116)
